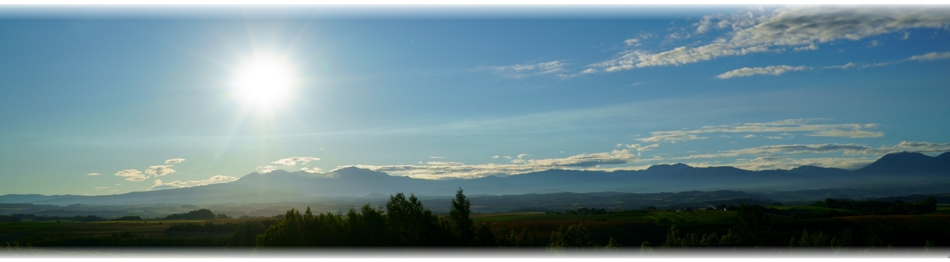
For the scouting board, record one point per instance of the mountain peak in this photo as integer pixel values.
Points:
(903, 162)
(903, 157)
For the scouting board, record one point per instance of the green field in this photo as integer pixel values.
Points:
(942, 209)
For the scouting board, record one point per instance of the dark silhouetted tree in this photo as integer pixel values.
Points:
(572, 236)
(460, 217)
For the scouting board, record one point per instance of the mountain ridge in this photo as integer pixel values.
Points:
(890, 170)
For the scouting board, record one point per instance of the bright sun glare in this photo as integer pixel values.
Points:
(264, 82)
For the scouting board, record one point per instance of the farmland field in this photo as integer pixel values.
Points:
(153, 228)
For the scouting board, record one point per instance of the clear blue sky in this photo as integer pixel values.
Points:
(97, 101)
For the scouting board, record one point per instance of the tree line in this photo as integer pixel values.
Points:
(405, 222)
(872, 207)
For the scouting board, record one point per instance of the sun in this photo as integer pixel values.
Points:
(264, 82)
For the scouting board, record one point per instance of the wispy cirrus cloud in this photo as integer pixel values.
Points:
(783, 126)
(93, 174)
(525, 70)
(800, 28)
(158, 184)
(671, 137)
(930, 56)
(781, 69)
(174, 161)
(768, 70)
(919, 58)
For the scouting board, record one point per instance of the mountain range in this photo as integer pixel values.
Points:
(891, 175)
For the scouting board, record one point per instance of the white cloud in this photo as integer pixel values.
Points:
(638, 40)
(639, 148)
(919, 58)
(317, 172)
(672, 138)
(174, 161)
(93, 174)
(158, 184)
(844, 66)
(930, 56)
(436, 157)
(159, 170)
(522, 155)
(811, 46)
(768, 70)
(312, 170)
(439, 170)
(795, 149)
(910, 146)
(749, 136)
(494, 157)
(519, 70)
(131, 175)
(265, 169)
(772, 163)
(783, 126)
(441, 163)
(779, 156)
(799, 27)
(292, 161)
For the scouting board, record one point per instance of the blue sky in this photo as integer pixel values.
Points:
(105, 102)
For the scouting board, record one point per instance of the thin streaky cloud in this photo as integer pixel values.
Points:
(794, 149)
(930, 56)
(292, 161)
(801, 28)
(785, 163)
(768, 70)
(174, 161)
(783, 126)
(444, 170)
(158, 184)
(525, 70)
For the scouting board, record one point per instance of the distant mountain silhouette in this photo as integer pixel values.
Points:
(908, 170)
(906, 162)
